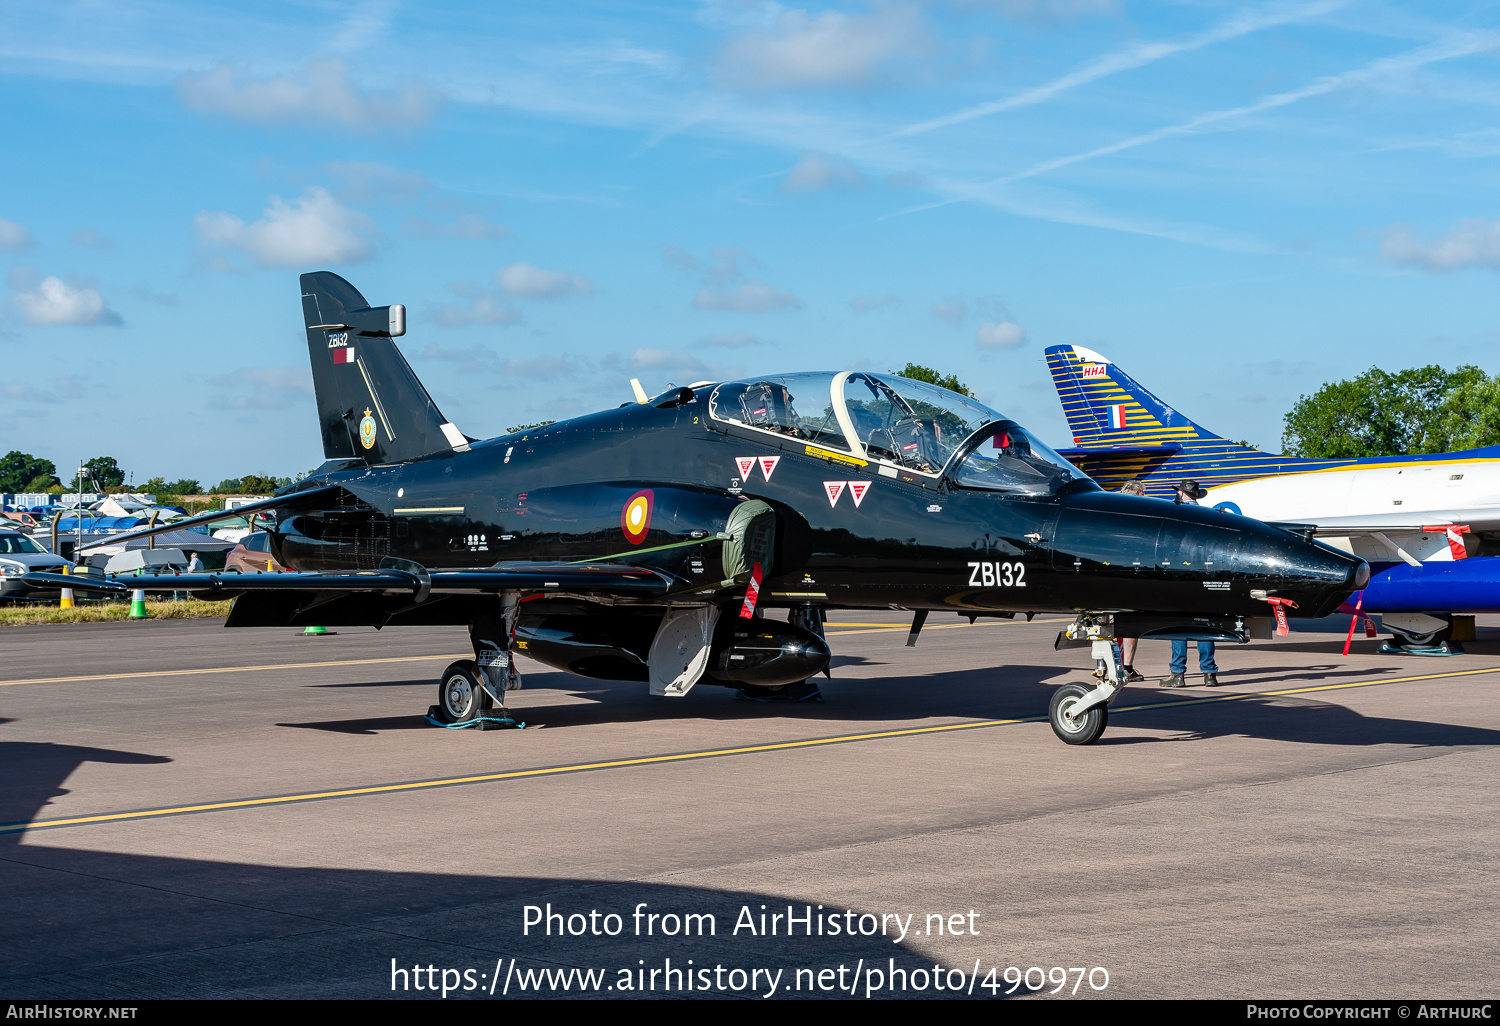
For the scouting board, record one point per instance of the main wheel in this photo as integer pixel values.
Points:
(460, 692)
(1083, 730)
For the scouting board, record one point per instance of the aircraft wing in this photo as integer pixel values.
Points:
(594, 578)
(1478, 519)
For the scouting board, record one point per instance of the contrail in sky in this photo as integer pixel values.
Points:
(1447, 49)
(1127, 59)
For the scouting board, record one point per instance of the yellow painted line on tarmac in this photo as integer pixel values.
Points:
(234, 669)
(650, 760)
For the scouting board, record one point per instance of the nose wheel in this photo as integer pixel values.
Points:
(1080, 729)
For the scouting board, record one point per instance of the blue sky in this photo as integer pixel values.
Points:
(1236, 201)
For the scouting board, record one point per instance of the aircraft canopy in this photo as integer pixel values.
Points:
(898, 422)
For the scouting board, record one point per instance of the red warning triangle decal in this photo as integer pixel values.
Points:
(857, 491)
(768, 464)
(746, 464)
(834, 490)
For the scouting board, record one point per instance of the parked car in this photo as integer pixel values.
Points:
(253, 555)
(20, 555)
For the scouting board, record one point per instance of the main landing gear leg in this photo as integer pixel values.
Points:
(1079, 713)
(471, 692)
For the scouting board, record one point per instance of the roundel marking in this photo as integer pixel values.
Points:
(367, 431)
(635, 518)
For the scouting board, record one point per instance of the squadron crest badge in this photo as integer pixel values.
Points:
(367, 431)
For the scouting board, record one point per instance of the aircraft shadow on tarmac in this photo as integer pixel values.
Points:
(1000, 693)
(93, 924)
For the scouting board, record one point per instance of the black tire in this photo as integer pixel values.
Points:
(1086, 729)
(461, 694)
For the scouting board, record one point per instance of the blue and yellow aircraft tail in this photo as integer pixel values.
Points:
(1121, 431)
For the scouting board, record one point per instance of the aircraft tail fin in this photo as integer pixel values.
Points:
(1107, 407)
(371, 406)
(1122, 431)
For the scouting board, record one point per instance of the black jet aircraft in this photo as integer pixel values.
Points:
(644, 543)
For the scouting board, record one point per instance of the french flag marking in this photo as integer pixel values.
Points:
(1117, 418)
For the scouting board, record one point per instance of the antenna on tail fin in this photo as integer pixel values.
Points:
(371, 406)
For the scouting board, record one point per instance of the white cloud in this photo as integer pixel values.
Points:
(733, 340)
(54, 301)
(364, 182)
(1000, 335)
(160, 298)
(815, 171)
(316, 229)
(539, 367)
(262, 388)
(753, 296)
(14, 237)
(467, 225)
(485, 306)
(1056, 10)
(725, 268)
(21, 393)
(864, 304)
(475, 359)
(952, 309)
(645, 359)
(89, 238)
(525, 279)
(728, 286)
(827, 49)
(473, 354)
(319, 93)
(1472, 242)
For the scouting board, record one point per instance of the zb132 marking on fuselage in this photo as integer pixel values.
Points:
(997, 575)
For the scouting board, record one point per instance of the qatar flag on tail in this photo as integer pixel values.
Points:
(345, 355)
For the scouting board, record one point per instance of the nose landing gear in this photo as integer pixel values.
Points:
(1079, 713)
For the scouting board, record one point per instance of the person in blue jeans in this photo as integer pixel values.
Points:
(1188, 494)
(1205, 663)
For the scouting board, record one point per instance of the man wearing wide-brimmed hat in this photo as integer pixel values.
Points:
(1188, 494)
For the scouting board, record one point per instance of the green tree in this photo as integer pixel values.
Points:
(258, 484)
(527, 427)
(228, 486)
(1471, 415)
(42, 483)
(19, 469)
(102, 471)
(161, 486)
(1380, 414)
(917, 372)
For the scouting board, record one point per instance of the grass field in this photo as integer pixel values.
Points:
(98, 612)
